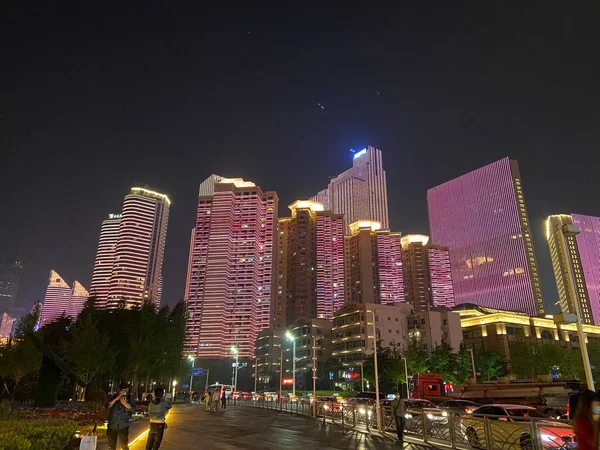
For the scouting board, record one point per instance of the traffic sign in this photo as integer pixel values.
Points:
(197, 371)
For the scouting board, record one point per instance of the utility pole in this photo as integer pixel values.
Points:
(255, 373)
(406, 376)
(572, 231)
(377, 405)
(473, 366)
(193, 359)
(280, 377)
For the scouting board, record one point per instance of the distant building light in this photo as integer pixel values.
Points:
(359, 154)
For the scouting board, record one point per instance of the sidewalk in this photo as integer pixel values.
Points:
(137, 430)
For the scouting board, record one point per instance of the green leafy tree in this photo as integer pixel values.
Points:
(21, 357)
(464, 366)
(489, 364)
(441, 360)
(88, 351)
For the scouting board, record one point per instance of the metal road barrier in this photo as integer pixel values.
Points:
(435, 428)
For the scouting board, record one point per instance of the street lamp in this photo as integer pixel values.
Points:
(377, 404)
(174, 385)
(193, 360)
(406, 376)
(473, 366)
(568, 230)
(291, 338)
(234, 350)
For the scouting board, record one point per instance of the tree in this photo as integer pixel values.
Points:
(441, 360)
(464, 365)
(21, 357)
(88, 351)
(489, 364)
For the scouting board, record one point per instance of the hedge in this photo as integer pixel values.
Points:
(36, 435)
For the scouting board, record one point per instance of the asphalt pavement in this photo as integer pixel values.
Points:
(244, 428)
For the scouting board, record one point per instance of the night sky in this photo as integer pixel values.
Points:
(97, 98)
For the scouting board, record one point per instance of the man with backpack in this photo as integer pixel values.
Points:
(120, 406)
(399, 413)
(157, 413)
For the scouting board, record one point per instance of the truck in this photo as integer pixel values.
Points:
(545, 393)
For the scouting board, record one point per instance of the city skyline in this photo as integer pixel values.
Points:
(137, 106)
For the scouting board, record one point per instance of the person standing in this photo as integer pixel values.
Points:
(208, 399)
(223, 400)
(157, 413)
(399, 413)
(584, 423)
(215, 400)
(120, 406)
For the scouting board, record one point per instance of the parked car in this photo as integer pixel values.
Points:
(328, 403)
(511, 427)
(459, 406)
(415, 406)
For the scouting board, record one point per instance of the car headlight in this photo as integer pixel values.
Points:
(444, 413)
(325, 407)
(547, 437)
(362, 410)
(408, 416)
(430, 416)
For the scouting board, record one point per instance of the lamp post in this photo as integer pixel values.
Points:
(234, 350)
(377, 405)
(314, 368)
(406, 376)
(280, 377)
(291, 338)
(174, 384)
(255, 373)
(193, 360)
(362, 377)
(473, 366)
(566, 231)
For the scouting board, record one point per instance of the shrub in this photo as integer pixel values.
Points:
(36, 435)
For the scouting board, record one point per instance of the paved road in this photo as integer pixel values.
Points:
(245, 428)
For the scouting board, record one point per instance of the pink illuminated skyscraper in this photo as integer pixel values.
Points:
(588, 244)
(138, 256)
(105, 258)
(482, 217)
(228, 291)
(309, 265)
(79, 295)
(359, 193)
(61, 299)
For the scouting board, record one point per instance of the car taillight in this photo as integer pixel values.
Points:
(468, 410)
(568, 411)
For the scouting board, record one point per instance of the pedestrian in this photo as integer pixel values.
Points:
(207, 399)
(215, 400)
(120, 406)
(223, 400)
(399, 415)
(584, 423)
(157, 413)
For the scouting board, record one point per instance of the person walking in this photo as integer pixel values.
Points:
(120, 406)
(398, 414)
(157, 413)
(215, 399)
(208, 399)
(223, 400)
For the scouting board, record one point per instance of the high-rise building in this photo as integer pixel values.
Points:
(373, 265)
(230, 269)
(309, 264)
(482, 217)
(105, 258)
(588, 244)
(138, 256)
(79, 296)
(579, 254)
(61, 299)
(6, 326)
(9, 284)
(56, 300)
(427, 274)
(359, 193)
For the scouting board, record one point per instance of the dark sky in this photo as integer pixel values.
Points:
(99, 97)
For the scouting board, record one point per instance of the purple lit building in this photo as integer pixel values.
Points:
(588, 244)
(482, 217)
